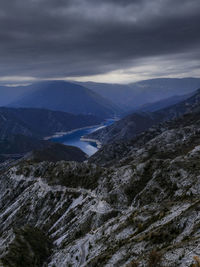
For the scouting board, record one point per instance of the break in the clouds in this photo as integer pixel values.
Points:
(104, 40)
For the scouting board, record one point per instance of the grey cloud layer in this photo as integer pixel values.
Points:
(45, 38)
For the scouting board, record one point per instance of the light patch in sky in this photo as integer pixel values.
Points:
(174, 66)
(17, 79)
(162, 68)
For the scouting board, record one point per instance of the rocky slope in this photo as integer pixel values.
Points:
(134, 124)
(135, 206)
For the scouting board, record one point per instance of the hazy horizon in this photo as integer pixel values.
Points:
(19, 83)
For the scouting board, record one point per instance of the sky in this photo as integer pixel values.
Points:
(115, 41)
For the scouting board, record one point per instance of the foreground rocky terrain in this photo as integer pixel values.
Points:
(135, 203)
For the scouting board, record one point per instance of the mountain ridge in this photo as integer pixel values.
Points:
(134, 95)
(67, 97)
(135, 123)
(144, 205)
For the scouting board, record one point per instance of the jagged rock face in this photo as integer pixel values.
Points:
(109, 216)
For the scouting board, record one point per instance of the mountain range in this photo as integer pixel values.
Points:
(134, 95)
(67, 97)
(136, 123)
(99, 99)
(133, 203)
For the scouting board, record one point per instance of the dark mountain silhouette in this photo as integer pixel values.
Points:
(67, 97)
(55, 152)
(16, 147)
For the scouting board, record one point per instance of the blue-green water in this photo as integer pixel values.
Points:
(73, 138)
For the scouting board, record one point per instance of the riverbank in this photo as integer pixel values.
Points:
(97, 142)
(79, 137)
(61, 134)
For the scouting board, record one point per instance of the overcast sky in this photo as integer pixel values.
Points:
(99, 40)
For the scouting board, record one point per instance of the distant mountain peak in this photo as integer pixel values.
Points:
(67, 97)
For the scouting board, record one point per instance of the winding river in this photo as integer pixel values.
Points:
(73, 138)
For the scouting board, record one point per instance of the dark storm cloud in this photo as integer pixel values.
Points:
(58, 38)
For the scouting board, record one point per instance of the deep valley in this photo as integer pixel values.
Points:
(135, 202)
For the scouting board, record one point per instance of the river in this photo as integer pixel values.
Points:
(74, 138)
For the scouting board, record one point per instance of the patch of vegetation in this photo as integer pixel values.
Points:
(197, 262)
(137, 186)
(164, 235)
(133, 263)
(155, 259)
(68, 174)
(30, 247)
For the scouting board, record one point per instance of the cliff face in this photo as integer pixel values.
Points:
(142, 196)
